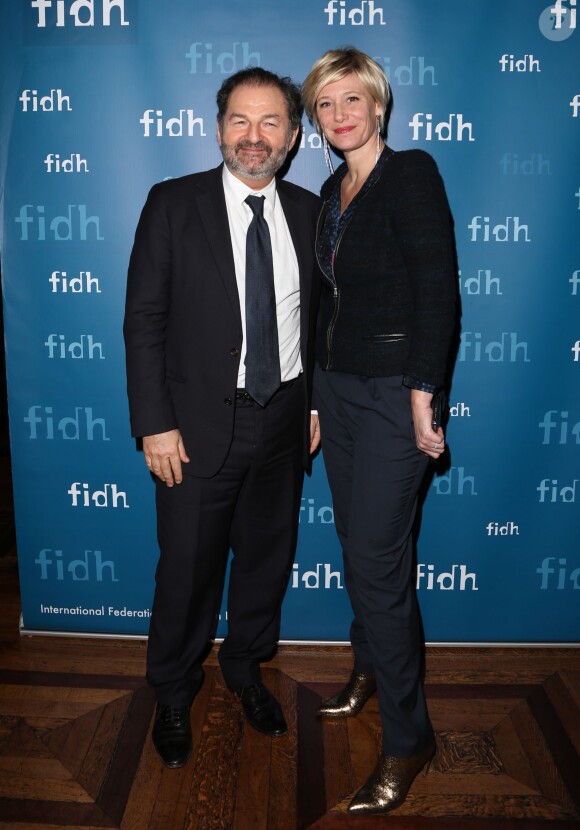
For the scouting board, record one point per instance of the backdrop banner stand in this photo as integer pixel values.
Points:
(100, 99)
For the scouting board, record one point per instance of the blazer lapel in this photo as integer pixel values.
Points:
(211, 204)
(302, 238)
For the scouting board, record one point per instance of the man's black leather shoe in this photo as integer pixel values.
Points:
(172, 735)
(262, 710)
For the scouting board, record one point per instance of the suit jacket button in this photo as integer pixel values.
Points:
(228, 401)
(234, 352)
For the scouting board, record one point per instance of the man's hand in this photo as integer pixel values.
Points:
(164, 453)
(429, 442)
(314, 433)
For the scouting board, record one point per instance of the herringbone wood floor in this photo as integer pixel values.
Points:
(75, 717)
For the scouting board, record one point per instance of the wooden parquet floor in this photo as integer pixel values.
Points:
(75, 717)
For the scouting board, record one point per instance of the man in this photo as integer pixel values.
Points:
(219, 317)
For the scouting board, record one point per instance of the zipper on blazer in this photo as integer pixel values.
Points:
(336, 295)
(335, 291)
(330, 329)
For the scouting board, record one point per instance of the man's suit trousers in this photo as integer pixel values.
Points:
(251, 505)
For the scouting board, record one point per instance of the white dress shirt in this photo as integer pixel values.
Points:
(286, 276)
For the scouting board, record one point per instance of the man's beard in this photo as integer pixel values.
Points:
(264, 167)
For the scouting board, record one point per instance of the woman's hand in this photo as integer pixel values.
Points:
(429, 442)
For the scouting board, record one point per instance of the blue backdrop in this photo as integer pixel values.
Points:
(102, 98)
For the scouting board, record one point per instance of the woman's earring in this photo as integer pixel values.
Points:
(378, 137)
(327, 154)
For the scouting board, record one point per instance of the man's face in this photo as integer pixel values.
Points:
(255, 137)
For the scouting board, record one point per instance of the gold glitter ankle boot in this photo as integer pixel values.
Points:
(351, 699)
(389, 784)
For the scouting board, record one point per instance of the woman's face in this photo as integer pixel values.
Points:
(348, 114)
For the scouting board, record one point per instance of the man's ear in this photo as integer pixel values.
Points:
(218, 133)
(292, 141)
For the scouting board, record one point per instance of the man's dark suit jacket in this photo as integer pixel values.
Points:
(183, 329)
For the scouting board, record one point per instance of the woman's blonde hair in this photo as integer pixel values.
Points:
(333, 66)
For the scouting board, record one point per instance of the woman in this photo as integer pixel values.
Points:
(387, 314)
